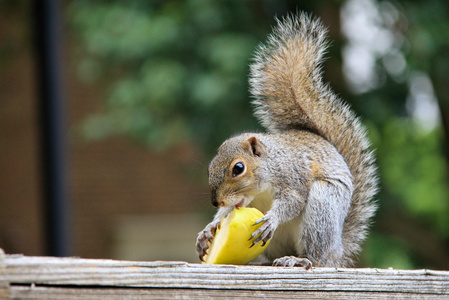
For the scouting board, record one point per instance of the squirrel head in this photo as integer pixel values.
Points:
(233, 172)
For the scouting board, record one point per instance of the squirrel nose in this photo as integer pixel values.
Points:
(214, 198)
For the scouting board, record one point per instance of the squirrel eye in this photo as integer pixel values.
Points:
(238, 169)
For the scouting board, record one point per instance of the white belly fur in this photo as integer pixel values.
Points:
(286, 238)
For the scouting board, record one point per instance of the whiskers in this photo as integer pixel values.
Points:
(200, 163)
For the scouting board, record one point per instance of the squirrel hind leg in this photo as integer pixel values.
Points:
(292, 261)
(321, 234)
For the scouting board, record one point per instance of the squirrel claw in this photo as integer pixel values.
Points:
(293, 261)
(265, 232)
(258, 222)
(204, 238)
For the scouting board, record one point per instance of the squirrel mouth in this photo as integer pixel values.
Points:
(240, 204)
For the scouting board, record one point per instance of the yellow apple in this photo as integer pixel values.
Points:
(231, 244)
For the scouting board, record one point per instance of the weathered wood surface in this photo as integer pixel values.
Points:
(49, 277)
(4, 284)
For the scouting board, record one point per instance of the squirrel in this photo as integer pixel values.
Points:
(313, 174)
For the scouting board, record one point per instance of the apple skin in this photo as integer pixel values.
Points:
(232, 241)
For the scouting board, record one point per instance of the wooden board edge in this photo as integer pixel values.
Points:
(4, 284)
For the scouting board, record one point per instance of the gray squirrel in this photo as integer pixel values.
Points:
(313, 174)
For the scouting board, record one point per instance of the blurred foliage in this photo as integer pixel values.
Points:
(176, 71)
(178, 68)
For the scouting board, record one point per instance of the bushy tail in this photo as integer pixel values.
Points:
(286, 82)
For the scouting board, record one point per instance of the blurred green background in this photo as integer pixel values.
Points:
(174, 73)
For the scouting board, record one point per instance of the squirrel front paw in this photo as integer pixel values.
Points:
(265, 232)
(292, 261)
(205, 237)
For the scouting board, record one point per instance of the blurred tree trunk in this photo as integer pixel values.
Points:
(431, 250)
(440, 78)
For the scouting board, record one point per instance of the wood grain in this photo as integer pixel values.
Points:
(73, 277)
(45, 292)
(4, 284)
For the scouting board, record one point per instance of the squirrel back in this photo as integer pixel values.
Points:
(289, 93)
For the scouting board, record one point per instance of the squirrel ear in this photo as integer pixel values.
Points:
(254, 146)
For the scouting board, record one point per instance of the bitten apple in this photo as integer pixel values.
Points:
(231, 244)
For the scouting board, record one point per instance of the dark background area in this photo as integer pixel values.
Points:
(151, 88)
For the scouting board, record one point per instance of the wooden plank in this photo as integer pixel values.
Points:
(4, 284)
(73, 273)
(45, 292)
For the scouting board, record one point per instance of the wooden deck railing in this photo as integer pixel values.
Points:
(76, 278)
